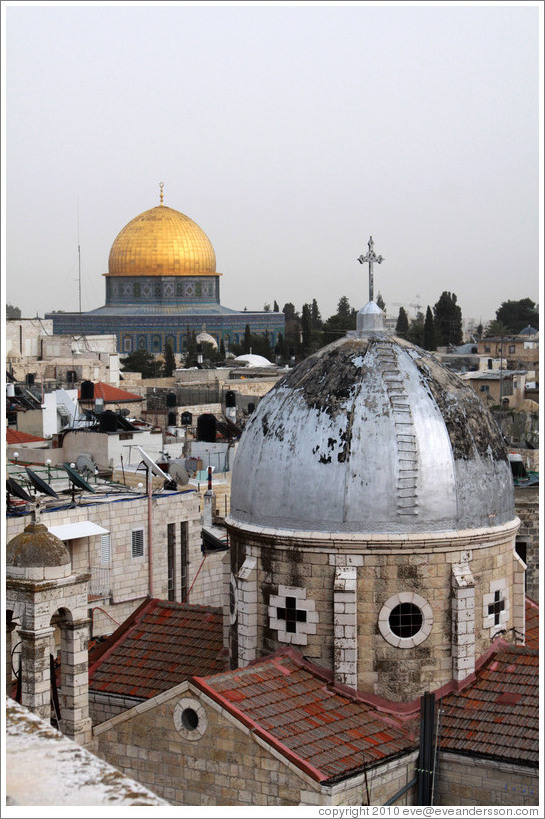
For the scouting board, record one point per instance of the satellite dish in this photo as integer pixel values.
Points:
(17, 490)
(85, 464)
(77, 480)
(39, 485)
(152, 465)
(178, 472)
(125, 412)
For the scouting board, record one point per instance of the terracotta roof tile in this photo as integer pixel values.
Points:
(111, 394)
(288, 698)
(13, 436)
(159, 646)
(498, 714)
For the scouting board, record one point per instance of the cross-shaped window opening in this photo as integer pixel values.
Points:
(496, 607)
(291, 614)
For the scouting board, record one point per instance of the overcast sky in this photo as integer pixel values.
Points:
(290, 134)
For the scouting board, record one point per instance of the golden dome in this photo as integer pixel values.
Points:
(162, 242)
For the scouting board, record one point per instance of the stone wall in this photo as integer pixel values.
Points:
(208, 589)
(472, 781)
(380, 785)
(225, 765)
(343, 622)
(126, 578)
(103, 707)
(527, 509)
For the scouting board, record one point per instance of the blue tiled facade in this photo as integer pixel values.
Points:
(147, 312)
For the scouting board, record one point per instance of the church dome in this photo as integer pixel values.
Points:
(162, 242)
(371, 435)
(36, 553)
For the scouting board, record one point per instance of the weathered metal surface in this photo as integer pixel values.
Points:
(371, 434)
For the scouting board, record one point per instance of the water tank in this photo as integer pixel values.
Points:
(108, 421)
(171, 420)
(206, 428)
(87, 390)
(230, 398)
(172, 399)
(10, 390)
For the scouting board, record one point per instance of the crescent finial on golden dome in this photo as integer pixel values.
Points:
(161, 186)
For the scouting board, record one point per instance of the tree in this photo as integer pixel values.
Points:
(315, 316)
(247, 343)
(496, 329)
(222, 350)
(276, 308)
(257, 343)
(402, 324)
(448, 320)
(169, 364)
(190, 344)
(267, 308)
(416, 330)
(140, 361)
(380, 302)
(343, 307)
(429, 342)
(12, 312)
(289, 311)
(516, 315)
(306, 329)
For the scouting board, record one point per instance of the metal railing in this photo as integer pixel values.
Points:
(99, 585)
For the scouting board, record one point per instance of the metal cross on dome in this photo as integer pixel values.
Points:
(369, 258)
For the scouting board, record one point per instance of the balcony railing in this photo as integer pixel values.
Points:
(99, 585)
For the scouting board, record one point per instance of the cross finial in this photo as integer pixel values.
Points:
(161, 186)
(369, 258)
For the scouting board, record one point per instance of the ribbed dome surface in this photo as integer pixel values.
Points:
(371, 435)
(162, 242)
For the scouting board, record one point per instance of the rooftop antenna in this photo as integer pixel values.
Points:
(369, 258)
(79, 261)
(161, 186)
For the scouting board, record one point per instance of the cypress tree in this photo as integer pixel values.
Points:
(429, 331)
(402, 325)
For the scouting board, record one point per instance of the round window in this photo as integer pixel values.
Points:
(190, 719)
(405, 620)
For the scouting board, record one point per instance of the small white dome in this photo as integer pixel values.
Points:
(251, 360)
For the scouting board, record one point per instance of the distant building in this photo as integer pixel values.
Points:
(161, 285)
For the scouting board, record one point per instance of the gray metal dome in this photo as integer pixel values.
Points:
(371, 435)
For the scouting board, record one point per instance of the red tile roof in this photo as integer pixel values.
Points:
(112, 395)
(289, 703)
(159, 646)
(13, 436)
(497, 715)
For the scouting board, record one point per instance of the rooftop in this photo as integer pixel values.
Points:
(159, 646)
(292, 704)
(330, 732)
(111, 394)
(13, 436)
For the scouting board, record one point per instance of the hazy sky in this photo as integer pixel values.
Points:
(290, 134)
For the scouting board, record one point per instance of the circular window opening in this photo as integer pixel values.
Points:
(405, 620)
(190, 719)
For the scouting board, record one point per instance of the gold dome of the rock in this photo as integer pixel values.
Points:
(162, 242)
